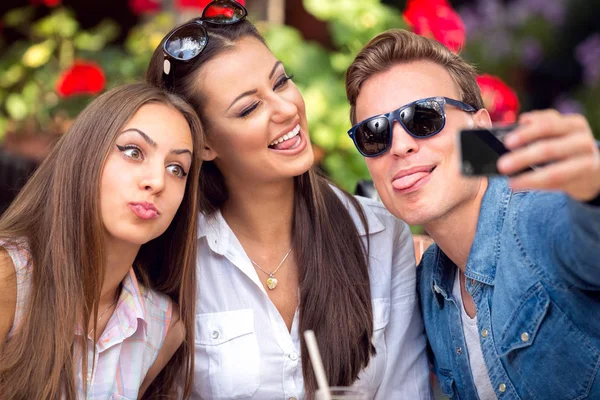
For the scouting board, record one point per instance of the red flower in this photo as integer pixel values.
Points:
(499, 99)
(84, 77)
(198, 4)
(47, 3)
(436, 19)
(145, 6)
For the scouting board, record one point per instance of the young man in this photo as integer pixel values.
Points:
(511, 290)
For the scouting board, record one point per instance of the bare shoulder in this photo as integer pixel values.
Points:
(8, 294)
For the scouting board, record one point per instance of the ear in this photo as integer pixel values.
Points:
(208, 153)
(482, 119)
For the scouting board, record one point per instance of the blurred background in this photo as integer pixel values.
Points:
(55, 55)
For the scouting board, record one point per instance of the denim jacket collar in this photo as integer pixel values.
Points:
(483, 257)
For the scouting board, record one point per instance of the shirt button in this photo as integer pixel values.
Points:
(525, 336)
(293, 356)
(484, 333)
(215, 334)
(502, 388)
(459, 350)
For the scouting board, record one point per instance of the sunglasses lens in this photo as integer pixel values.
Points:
(372, 137)
(223, 12)
(186, 42)
(423, 118)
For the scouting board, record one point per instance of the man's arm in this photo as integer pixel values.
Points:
(570, 162)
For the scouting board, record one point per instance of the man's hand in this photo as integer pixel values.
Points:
(563, 146)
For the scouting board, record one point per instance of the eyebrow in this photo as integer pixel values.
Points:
(249, 92)
(277, 64)
(152, 143)
(143, 135)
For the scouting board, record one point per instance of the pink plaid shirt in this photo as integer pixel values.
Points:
(129, 344)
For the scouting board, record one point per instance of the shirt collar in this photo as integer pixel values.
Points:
(218, 234)
(485, 250)
(130, 308)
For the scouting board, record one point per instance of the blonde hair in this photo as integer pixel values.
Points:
(397, 46)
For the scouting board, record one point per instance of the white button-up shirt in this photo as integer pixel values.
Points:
(243, 348)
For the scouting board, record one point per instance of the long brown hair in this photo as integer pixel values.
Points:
(335, 295)
(397, 46)
(58, 214)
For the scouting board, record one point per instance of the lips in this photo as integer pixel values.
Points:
(144, 210)
(412, 179)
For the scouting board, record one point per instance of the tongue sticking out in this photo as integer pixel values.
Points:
(287, 144)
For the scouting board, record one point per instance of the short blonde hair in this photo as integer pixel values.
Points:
(397, 46)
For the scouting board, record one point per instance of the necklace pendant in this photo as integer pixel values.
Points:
(271, 282)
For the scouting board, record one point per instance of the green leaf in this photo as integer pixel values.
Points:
(12, 75)
(60, 23)
(3, 127)
(97, 38)
(16, 107)
(331, 9)
(18, 17)
(39, 54)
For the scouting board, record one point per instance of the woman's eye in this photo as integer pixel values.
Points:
(177, 170)
(132, 152)
(246, 111)
(282, 81)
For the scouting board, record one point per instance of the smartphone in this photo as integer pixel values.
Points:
(480, 150)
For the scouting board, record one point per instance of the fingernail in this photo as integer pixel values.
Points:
(511, 140)
(504, 163)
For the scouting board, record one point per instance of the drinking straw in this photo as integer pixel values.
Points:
(317, 363)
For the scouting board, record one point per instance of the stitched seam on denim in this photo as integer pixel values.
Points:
(539, 272)
(497, 372)
(587, 391)
(498, 244)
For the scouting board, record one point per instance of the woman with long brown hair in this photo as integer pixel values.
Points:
(97, 254)
(281, 250)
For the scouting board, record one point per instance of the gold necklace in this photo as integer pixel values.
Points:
(271, 280)
(102, 315)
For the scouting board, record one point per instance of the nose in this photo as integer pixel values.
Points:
(153, 179)
(283, 109)
(403, 143)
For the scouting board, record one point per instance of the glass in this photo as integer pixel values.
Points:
(420, 119)
(342, 393)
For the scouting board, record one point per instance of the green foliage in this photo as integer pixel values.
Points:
(319, 73)
(30, 68)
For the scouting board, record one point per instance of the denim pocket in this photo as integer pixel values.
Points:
(552, 358)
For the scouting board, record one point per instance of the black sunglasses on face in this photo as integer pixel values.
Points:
(187, 42)
(420, 119)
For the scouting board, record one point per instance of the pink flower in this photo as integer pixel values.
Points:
(47, 3)
(436, 19)
(145, 6)
(84, 77)
(198, 4)
(498, 98)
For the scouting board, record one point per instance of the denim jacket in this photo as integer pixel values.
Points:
(534, 274)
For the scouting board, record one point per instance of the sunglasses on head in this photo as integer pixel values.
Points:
(420, 119)
(187, 42)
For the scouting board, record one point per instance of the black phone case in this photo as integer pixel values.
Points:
(480, 150)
